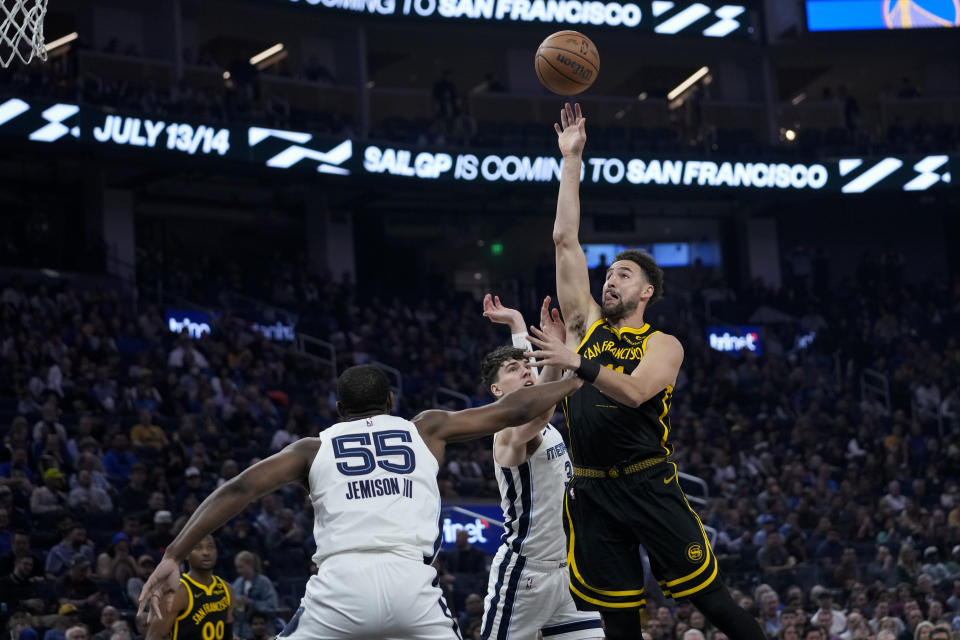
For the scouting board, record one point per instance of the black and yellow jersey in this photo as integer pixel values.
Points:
(205, 617)
(604, 432)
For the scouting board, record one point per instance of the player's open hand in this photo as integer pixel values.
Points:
(572, 131)
(159, 589)
(553, 351)
(550, 321)
(499, 314)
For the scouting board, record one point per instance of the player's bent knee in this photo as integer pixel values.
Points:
(622, 624)
(713, 601)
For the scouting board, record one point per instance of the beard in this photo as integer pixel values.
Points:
(618, 309)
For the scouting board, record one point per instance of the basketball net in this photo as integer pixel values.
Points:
(21, 30)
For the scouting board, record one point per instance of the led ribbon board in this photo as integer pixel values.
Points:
(692, 19)
(60, 126)
(859, 15)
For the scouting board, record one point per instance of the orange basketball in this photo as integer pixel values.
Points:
(567, 63)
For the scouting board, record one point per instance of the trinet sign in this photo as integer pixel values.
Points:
(735, 340)
(709, 19)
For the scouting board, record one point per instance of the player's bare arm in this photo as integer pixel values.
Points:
(291, 465)
(579, 308)
(160, 626)
(514, 446)
(655, 372)
(437, 428)
(230, 611)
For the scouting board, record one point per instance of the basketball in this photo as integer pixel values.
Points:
(567, 63)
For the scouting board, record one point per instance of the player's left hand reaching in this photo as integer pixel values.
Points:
(159, 588)
(553, 351)
(500, 314)
(550, 321)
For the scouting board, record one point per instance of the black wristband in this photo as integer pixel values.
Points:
(588, 369)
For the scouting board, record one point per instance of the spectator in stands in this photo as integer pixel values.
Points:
(162, 532)
(472, 611)
(145, 435)
(259, 626)
(77, 632)
(830, 551)
(933, 567)
(145, 566)
(17, 472)
(91, 463)
(108, 615)
(18, 589)
(67, 617)
(253, 591)
(881, 568)
(907, 565)
(116, 564)
(74, 542)
(87, 499)
(193, 486)
(464, 557)
(185, 356)
(77, 588)
(923, 630)
(49, 502)
(770, 610)
(144, 395)
(954, 600)
(118, 461)
(773, 559)
(48, 424)
(134, 496)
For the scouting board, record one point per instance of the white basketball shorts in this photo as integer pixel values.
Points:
(526, 596)
(372, 596)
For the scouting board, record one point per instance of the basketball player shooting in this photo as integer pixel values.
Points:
(624, 491)
(372, 480)
(527, 590)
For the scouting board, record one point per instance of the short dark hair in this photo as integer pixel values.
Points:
(650, 269)
(491, 363)
(258, 614)
(362, 389)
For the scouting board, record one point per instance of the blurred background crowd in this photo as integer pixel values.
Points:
(828, 506)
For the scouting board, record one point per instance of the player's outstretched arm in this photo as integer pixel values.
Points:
(573, 281)
(160, 626)
(516, 408)
(550, 322)
(655, 372)
(511, 444)
(290, 465)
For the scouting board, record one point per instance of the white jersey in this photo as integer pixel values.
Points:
(532, 500)
(373, 486)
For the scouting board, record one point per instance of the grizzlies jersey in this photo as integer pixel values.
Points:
(604, 432)
(373, 486)
(205, 617)
(532, 500)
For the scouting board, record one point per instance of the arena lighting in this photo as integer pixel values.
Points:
(797, 99)
(790, 135)
(266, 54)
(689, 82)
(60, 42)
